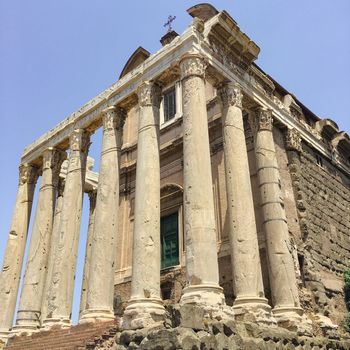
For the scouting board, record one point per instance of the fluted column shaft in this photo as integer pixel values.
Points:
(29, 311)
(100, 291)
(246, 267)
(85, 282)
(283, 282)
(200, 228)
(145, 305)
(12, 265)
(65, 253)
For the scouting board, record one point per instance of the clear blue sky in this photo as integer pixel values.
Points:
(56, 55)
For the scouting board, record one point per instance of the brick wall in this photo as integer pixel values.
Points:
(322, 194)
(74, 338)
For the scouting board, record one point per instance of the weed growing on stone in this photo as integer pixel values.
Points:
(346, 276)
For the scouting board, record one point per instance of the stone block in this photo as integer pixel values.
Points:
(188, 339)
(192, 317)
(161, 339)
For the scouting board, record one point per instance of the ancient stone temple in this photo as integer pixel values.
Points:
(220, 217)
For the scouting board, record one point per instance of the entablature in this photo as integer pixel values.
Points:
(230, 55)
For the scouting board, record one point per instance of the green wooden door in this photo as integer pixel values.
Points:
(169, 236)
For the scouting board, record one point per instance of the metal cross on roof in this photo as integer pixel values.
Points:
(170, 20)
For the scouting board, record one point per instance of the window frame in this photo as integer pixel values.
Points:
(178, 240)
(178, 104)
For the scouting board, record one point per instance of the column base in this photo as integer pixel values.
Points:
(210, 298)
(62, 322)
(253, 309)
(4, 335)
(292, 318)
(27, 328)
(96, 315)
(143, 313)
(203, 294)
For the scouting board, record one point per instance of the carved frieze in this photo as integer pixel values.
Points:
(231, 94)
(262, 82)
(226, 56)
(192, 65)
(149, 94)
(293, 140)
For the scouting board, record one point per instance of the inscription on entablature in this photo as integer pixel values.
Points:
(262, 82)
(228, 57)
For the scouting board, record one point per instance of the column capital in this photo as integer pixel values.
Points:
(293, 140)
(264, 119)
(92, 196)
(231, 94)
(60, 187)
(192, 65)
(113, 118)
(149, 94)
(28, 173)
(53, 159)
(79, 140)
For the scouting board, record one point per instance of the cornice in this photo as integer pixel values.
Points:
(263, 99)
(91, 112)
(255, 85)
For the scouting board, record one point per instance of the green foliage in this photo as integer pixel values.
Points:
(346, 275)
(347, 322)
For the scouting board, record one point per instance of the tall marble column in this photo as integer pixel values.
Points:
(100, 291)
(60, 294)
(29, 311)
(13, 259)
(145, 305)
(283, 282)
(199, 221)
(85, 282)
(246, 267)
(54, 242)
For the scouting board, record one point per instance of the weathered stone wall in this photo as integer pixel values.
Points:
(188, 327)
(322, 193)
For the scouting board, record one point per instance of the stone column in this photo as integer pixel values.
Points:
(283, 282)
(29, 311)
(13, 259)
(145, 305)
(246, 267)
(200, 230)
(100, 290)
(85, 282)
(61, 285)
(54, 242)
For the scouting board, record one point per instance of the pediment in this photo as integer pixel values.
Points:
(203, 11)
(139, 56)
